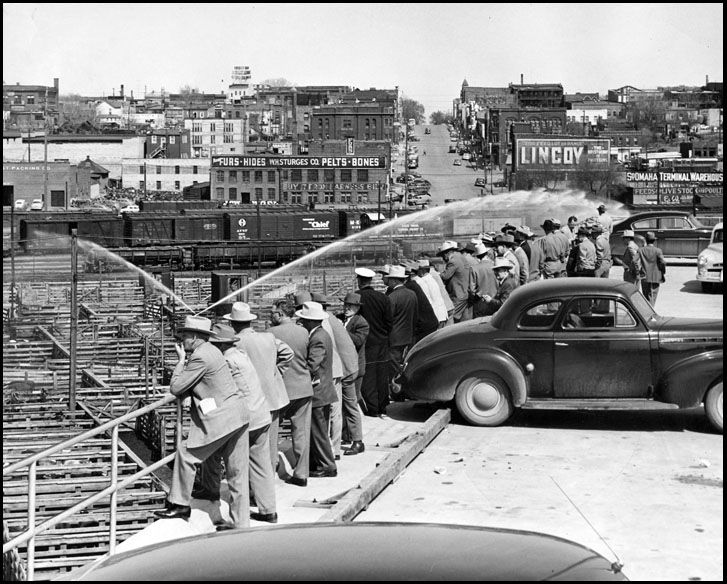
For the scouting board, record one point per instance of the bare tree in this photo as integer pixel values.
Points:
(279, 82)
(412, 109)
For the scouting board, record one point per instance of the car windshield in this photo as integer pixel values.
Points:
(696, 222)
(643, 307)
(717, 237)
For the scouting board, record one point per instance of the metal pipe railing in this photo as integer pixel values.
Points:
(32, 461)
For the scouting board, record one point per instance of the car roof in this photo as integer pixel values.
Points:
(543, 290)
(648, 214)
(359, 551)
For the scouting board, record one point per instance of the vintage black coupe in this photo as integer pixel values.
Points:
(678, 233)
(570, 343)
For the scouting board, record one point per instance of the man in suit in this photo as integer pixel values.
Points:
(456, 278)
(504, 245)
(506, 283)
(603, 251)
(346, 406)
(404, 309)
(220, 419)
(554, 252)
(482, 281)
(358, 330)
(298, 385)
(376, 309)
(430, 287)
(262, 480)
(533, 252)
(631, 260)
(652, 260)
(270, 356)
(320, 348)
(585, 251)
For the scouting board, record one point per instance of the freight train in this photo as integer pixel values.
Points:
(241, 236)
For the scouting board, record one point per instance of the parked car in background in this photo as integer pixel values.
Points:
(423, 551)
(499, 183)
(571, 343)
(133, 208)
(480, 182)
(457, 162)
(678, 233)
(427, 131)
(466, 156)
(710, 263)
(419, 199)
(20, 205)
(37, 205)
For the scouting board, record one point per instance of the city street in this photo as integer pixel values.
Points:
(646, 485)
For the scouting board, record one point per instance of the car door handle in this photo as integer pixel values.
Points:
(561, 344)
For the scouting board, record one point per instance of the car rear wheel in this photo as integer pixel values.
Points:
(713, 406)
(483, 399)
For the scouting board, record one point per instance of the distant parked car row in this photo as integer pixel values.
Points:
(35, 205)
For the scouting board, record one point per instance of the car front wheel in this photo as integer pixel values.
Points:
(484, 399)
(713, 406)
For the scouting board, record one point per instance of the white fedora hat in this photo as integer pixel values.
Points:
(240, 313)
(312, 311)
(397, 272)
(196, 324)
(446, 246)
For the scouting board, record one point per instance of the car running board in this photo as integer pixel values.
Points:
(596, 404)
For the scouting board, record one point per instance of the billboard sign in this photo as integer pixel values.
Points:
(673, 187)
(557, 154)
(240, 161)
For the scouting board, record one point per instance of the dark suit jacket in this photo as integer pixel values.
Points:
(503, 292)
(376, 309)
(426, 321)
(206, 375)
(404, 308)
(320, 364)
(652, 261)
(358, 330)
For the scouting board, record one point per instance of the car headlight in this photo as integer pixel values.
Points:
(701, 260)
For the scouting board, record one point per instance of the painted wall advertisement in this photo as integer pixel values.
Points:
(675, 188)
(561, 154)
(240, 161)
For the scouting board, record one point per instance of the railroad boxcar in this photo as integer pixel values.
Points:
(46, 234)
(145, 229)
(199, 226)
(106, 229)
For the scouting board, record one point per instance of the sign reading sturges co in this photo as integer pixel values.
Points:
(239, 161)
(561, 154)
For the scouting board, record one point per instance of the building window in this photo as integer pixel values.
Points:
(245, 175)
(347, 124)
(212, 127)
(153, 139)
(284, 197)
(345, 197)
(141, 184)
(159, 185)
(196, 127)
(172, 139)
(312, 198)
(176, 169)
(232, 176)
(232, 194)
(212, 139)
(363, 197)
(328, 197)
(220, 193)
(312, 175)
(258, 194)
(159, 169)
(362, 175)
(296, 198)
(329, 175)
(346, 175)
(258, 176)
(196, 139)
(220, 175)
(228, 139)
(142, 169)
(176, 185)
(296, 175)
(271, 194)
(195, 170)
(229, 127)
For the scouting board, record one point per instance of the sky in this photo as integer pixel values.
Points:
(427, 50)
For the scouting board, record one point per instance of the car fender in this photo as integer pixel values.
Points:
(442, 376)
(685, 383)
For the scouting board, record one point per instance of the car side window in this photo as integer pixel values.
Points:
(624, 318)
(589, 313)
(675, 223)
(540, 316)
(645, 224)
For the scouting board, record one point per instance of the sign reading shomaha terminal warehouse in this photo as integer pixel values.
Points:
(358, 179)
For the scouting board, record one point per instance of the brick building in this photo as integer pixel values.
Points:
(28, 106)
(27, 180)
(164, 174)
(361, 121)
(171, 143)
(334, 172)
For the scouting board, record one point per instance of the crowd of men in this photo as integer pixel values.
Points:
(325, 372)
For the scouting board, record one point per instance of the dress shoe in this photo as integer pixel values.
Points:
(174, 511)
(337, 457)
(324, 472)
(297, 481)
(268, 517)
(356, 448)
(225, 527)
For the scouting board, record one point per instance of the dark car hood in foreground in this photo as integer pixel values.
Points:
(360, 551)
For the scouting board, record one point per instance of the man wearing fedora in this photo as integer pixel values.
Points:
(404, 308)
(320, 348)
(270, 356)
(505, 243)
(631, 260)
(652, 259)
(298, 385)
(483, 282)
(220, 419)
(585, 252)
(358, 330)
(506, 283)
(262, 481)
(346, 407)
(376, 309)
(431, 289)
(456, 278)
(553, 252)
(533, 252)
(522, 258)
(603, 251)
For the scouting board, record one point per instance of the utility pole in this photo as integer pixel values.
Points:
(74, 320)
(13, 291)
(45, 151)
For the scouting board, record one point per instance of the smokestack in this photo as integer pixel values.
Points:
(122, 91)
(707, 82)
(55, 83)
(521, 79)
